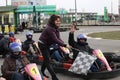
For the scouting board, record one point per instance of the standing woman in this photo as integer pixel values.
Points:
(51, 35)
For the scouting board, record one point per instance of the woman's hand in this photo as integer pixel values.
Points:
(72, 28)
(1, 78)
(68, 46)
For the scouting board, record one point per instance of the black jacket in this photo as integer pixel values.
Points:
(51, 36)
(78, 46)
(4, 45)
(26, 44)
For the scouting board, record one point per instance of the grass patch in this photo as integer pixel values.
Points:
(115, 35)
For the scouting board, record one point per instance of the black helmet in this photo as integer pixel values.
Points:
(29, 35)
(81, 36)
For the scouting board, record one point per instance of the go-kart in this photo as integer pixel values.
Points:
(32, 53)
(33, 72)
(112, 59)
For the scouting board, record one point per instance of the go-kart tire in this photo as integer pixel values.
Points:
(112, 57)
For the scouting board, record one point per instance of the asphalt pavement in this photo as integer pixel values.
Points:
(104, 44)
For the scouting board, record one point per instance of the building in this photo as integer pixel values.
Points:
(7, 17)
(28, 2)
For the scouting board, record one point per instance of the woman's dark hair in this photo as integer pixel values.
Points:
(51, 21)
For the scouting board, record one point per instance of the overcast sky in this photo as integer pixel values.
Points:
(82, 5)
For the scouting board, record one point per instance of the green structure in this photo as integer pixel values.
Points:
(47, 8)
(36, 10)
(105, 15)
(13, 13)
(24, 9)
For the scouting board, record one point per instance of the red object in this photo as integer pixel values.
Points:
(45, 78)
(12, 39)
(70, 61)
(24, 53)
(40, 58)
(66, 65)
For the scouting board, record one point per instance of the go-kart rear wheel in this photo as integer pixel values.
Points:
(112, 57)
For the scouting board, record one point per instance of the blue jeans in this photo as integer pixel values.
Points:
(17, 76)
(56, 55)
(96, 66)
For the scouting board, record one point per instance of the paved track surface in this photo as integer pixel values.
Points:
(103, 44)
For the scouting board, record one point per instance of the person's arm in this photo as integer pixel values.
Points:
(5, 68)
(90, 50)
(25, 46)
(71, 40)
(56, 39)
(24, 60)
(6, 46)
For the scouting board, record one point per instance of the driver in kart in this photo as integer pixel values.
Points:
(28, 42)
(13, 65)
(4, 49)
(81, 45)
(12, 36)
(29, 45)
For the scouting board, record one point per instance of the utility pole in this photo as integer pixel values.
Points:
(6, 2)
(111, 7)
(75, 12)
(119, 7)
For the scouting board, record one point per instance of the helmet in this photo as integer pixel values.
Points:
(15, 47)
(11, 33)
(29, 34)
(81, 36)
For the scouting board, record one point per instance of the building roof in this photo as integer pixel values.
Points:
(7, 8)
(83, 13)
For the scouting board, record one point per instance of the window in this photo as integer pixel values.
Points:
(6, 19)
(11, 16)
